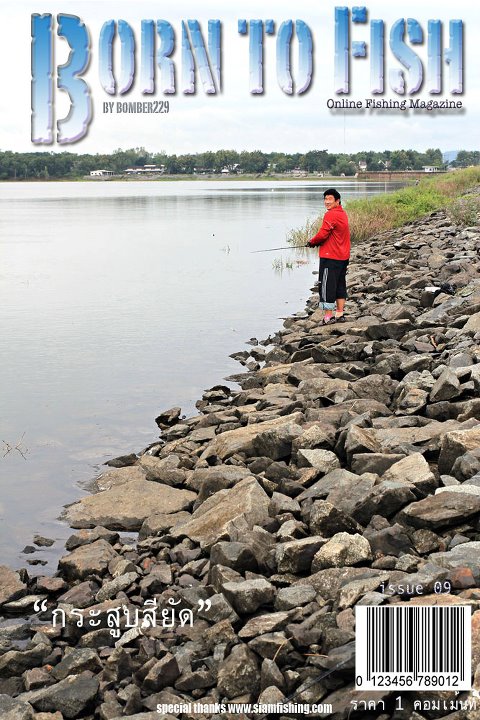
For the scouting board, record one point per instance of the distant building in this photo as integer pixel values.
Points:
(431, 169)
(146, 169)
(101, 173)
(362, 165)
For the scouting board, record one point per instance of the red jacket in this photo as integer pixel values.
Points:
(334, 235)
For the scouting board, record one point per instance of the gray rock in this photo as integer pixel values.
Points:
(249, 595)
(160, 523)
(111, 588)
(262, 624)
(385, 499)
(388, 541)
(347, 495)
(166, 470)
(85, 537)
(239, 673)
(464, 555)
(207, 481)
(466, 466)
(281, 503)
(13, 709)
(415, 469)
(454, 445)
(290, 598)
(377, 463)
(329, 583)
(272, 646)
(76, 662)
(236, 555)
(212, 520)
(296, 556)
(342, 549)
(126, 506)
(168, 417)
(15, 662)
(87, 560)
(394, 330)
(72, 696)
(11, 587)
(163, 673)
(323, 460)
(442, 510)
(241, 440)
(326, 520)
(271, 675)
(446, 387)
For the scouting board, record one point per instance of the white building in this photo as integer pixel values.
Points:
(101, 173)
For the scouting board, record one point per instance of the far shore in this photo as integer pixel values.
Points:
(220, 178)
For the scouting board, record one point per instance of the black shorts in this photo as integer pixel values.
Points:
(331, 280)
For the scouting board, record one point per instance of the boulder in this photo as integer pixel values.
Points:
(13, 709)
(239, 673)
(455, 444)
(125, 506)
(441, 510)
(242, 439)
(296, 556)
(342, 549)
(11, 587)
(210, 522)
(72, 696)
(247, 596)
(415, 469)
(87, 560)
(322, 460)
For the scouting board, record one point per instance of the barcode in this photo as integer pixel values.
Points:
(413, 647)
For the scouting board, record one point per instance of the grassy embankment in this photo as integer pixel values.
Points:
(371, 216)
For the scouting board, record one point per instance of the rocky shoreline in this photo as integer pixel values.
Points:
(344, 472)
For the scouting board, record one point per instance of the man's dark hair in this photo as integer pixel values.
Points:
(333, 192)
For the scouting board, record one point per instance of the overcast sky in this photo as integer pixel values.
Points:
(234, 118)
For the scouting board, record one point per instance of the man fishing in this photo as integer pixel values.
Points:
(334, 241)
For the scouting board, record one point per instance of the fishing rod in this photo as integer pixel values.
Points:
(288, 247)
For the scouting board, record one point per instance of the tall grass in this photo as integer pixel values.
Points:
(384, 212)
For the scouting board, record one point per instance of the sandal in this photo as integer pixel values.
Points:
(331, 320)
(341, 318)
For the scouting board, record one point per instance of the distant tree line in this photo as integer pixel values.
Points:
(45, 165)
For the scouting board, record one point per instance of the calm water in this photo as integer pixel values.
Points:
(119, 300)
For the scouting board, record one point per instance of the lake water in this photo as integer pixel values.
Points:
(119, 300)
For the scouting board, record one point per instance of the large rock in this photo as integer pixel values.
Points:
(296, 556)
(239, 673)
(87, 560)
(249, 595)
(210, 522)
(342, 549)
(71, 696)
(446, 387)
(455, 444)
(323, 460)
(461, 556)
(11, 709)
(242, 439)
(441, 510)
(11, 587)
(415, 469)
(125, 506)
(385, 499)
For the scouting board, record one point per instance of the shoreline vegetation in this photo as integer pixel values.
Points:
(370, 216)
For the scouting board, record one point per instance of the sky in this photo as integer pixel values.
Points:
(234, 118)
